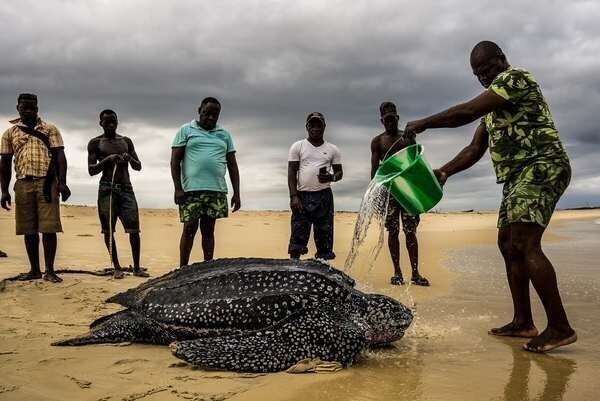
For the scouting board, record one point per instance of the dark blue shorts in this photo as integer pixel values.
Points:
(317, 212)
(124, 207)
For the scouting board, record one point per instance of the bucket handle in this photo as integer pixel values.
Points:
(391, 147)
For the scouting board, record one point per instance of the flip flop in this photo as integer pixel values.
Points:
(27, 277)
(397, 280)
(548, 347)
(422, 281)
(140, 273)
(118, 274)
(52, 278)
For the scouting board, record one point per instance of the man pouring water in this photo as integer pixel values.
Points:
(530, 161)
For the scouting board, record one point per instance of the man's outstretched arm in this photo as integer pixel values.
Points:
(467, 157)
(459, 115)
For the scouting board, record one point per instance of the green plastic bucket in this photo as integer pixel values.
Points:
(410, 180)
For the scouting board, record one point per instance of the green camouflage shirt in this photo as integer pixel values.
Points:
(522, 131)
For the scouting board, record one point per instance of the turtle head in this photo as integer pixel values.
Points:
(386, 318)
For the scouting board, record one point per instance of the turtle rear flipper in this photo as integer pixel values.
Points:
(122, 326)
(313, 333)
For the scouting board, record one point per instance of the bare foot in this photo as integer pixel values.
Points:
(29, 276)
(118, 274)
(550, 339)
(396, 280)
(52, 277)
(514, 330)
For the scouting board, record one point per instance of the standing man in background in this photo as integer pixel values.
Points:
(200, 154)
(313, 164)
(383, 145)
(41, 173)
(113, 153)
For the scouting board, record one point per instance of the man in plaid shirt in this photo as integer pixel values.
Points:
(38, 151)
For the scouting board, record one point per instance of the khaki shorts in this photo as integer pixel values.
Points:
(32, 213)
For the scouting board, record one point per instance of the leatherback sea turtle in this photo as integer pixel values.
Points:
(253, 315)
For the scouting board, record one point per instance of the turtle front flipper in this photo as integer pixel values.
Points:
(308, 334)
(122, 326)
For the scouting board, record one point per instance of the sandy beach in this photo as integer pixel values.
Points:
(445, 355)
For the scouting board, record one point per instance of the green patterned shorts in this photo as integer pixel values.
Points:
(203, 203)
(531, 195)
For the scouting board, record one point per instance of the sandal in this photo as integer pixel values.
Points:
(420, 280)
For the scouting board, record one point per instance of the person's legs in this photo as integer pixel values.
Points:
(129, 216)
(207, 229)
(108, 213)
(530, 205)
(526, 243)
(394, 247)
(392, 224)
(518, 281)
(114, 254)
(409, 226)
(26, 224)
(323, 220)
(187, 241)
(32, 246)
(300, 230)
(135, 242)
(49, 244)
(49, 224)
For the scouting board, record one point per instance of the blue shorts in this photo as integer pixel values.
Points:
(124, 207)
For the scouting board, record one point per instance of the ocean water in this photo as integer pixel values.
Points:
(448, 355)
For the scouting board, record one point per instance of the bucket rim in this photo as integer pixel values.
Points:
(417, 145)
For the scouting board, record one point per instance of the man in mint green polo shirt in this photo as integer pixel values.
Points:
(200, 154)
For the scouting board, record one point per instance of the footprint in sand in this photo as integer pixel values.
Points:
(128, 361)
(81, 383)
(7, 388)
(139, 396)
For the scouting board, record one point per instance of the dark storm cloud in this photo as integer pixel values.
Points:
(273, 62)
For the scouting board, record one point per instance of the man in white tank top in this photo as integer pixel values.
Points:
(313, 164)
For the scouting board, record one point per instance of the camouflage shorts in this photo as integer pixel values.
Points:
(532, 194)
(395, 213)
(203, 203)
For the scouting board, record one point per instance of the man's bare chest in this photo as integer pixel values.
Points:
(391, 145)
(112, 146)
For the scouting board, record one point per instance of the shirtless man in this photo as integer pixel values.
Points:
(383, 145)
(104, 153)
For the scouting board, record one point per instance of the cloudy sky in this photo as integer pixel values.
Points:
(272, 62)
